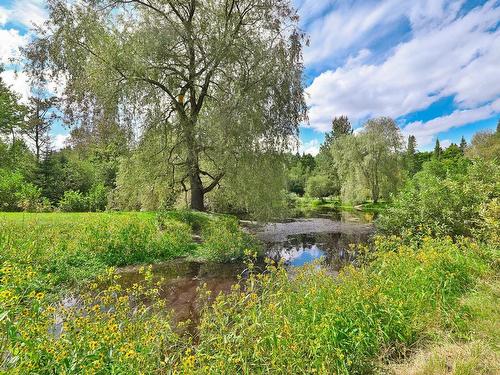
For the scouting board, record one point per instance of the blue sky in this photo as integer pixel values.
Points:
(433, 65)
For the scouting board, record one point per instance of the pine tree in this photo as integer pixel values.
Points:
(410, 155)
(463, 144)
(437, 149)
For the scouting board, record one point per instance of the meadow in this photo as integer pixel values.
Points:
(405, 296)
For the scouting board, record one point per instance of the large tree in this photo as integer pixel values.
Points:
(12, 112)
(369, 163)
(222, 77)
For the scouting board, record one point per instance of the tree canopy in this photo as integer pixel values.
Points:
(369, 162)
(221, 79)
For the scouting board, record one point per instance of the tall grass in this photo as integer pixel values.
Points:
(72, 248)
(314, 323)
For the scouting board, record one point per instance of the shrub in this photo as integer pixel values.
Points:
(224, 241)
(74, 201)
(443, 199)
(97, 198)
(18, 195)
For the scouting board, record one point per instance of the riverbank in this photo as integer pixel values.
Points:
(404, 299)
(72, 248)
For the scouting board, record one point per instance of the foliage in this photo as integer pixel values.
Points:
(319, 186)
(445, 198)
(485, 145)
(11, 111)
(369, 163)
(300, 167)
(18, 195)
(437, 149)
(73, 201)
(230, 91)
(222, 239)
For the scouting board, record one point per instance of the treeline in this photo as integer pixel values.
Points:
(376, 162)
(36, 177)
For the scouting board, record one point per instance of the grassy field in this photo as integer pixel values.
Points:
(409, 307)
(74, 247)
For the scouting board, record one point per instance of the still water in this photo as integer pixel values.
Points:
(295, 242)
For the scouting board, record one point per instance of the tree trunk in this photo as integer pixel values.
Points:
(192, 163)
(197, 193)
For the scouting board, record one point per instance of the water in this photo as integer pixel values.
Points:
(295, 242)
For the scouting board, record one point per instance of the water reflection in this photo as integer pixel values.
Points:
(305, 248)
(291, 242)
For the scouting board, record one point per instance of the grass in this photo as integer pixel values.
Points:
(419, 306)
(70, 248)
(476, 353)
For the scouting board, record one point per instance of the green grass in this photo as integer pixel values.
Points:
(406, 297)
(71, 248)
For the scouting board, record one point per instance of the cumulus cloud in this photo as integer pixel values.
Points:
(450, 54)
(10, 41)
(59, 141)
(310, 147)
(425, 132)
(18, 82)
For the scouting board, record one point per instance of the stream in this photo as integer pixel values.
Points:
(296, 242)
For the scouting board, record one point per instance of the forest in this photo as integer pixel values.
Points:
(178, 230)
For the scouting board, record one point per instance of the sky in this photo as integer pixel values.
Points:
(432, 65)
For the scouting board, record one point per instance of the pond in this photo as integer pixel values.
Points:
(295, 242)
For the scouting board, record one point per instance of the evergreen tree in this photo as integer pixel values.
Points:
(437, 149)
(463, 144)
(410, 156)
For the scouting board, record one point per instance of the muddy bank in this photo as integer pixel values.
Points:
(278, 232)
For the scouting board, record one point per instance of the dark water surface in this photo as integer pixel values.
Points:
(296, 242)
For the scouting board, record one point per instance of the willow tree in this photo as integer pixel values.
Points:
(222, 77)
(369, 162)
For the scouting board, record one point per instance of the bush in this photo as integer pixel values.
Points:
(18, 195)
(445, 198)
(319, 186)
(224, 241)
(74, 201)
(97, 198)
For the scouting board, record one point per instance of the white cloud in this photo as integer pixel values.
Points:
(10, 41)
(59, 141)
(448, 55)
(28, 12)
(18, 82)
(426, 132)
(310, 147)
